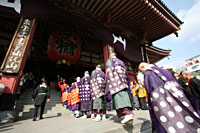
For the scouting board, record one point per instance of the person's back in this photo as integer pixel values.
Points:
(194, 85)
(43, 89)
(118, 86)
(168, 106)
(155, 81)
(40, 95)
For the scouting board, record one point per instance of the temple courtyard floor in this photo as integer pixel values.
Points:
(65, 123)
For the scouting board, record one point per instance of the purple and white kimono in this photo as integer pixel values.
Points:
(118, 85)
(85, 94)
(169, 108)
(117, 77)
(77, 105)
(97, 83)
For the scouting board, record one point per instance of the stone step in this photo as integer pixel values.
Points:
(27, 96)
(47, 105)
(47, 108)
(26, 115)
(25, 105)
(30, 100)
(30, 114)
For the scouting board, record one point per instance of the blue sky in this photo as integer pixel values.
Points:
(187, 45)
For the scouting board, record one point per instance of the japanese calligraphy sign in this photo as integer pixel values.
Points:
(15, 53)
(64, 45)
(193, 64)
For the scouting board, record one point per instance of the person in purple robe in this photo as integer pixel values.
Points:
(75, 107)
(170, 110)
(118, 86)
(193, 85)
(85, 95)
(97, 84)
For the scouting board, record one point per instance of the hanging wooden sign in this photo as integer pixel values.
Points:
(15, 53)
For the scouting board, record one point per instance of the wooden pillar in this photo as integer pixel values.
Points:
(107, 50)
(105, 53)
(147, 57)
(15, 59)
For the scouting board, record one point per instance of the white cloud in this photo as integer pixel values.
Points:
(195, 38)
(191, 27)
(173, 64)
(187, 44)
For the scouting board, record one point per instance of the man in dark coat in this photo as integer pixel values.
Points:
(182, 81)
(169, 108)
(193, 83)
(40, 96)
(118, 86)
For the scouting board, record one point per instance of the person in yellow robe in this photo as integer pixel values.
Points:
(136, 104)
(142, 94)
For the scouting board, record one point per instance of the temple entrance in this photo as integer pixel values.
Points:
(42, 63)
(50, 70)
(39, 63)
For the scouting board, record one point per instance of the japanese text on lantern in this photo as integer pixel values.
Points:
(16, 51)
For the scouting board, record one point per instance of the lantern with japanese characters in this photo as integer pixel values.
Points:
(64, 47)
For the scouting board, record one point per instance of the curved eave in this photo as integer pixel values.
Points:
(168, 11)
(156, 54)
(144, 20)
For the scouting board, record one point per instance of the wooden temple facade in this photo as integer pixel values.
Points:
(129, 27)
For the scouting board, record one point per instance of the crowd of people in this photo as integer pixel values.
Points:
(92, 94)
(173, 100)
(27, 81)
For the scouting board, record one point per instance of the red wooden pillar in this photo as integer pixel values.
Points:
(16, 56)
(105, 52)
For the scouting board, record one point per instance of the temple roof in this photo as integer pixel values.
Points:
(142, 20)
(169, 11)
(156, 54)
(146, 20)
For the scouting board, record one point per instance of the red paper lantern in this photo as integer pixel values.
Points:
(64, 45)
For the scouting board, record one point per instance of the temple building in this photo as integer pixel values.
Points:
(67, 37)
